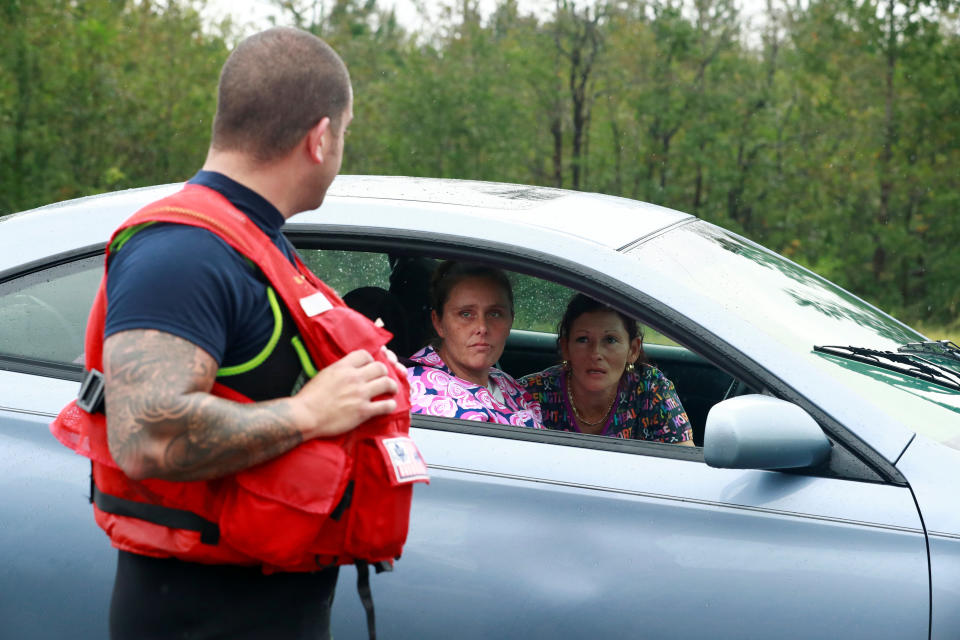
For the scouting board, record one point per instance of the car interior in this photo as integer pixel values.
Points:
(54, 303)
(404, 307)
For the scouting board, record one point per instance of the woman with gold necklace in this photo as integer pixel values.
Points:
(604, 387)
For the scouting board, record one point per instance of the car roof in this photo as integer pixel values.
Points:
(415, 205)
(605, 220)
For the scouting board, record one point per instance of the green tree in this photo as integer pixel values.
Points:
(102, 94)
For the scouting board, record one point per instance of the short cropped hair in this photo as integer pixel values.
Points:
(275, 87)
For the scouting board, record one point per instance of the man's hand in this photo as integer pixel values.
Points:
(163, 422)
(341, 396)
(392, 357)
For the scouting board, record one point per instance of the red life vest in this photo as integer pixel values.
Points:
(329, 501)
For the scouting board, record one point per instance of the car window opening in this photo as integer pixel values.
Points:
(395, 289)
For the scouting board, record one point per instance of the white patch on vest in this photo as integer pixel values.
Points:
(315, 304)
(408, 465)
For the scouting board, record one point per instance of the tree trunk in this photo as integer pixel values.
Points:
(556, 130)
(886, 154)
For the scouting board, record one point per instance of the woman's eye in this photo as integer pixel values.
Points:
(582, 339)
(612, 340)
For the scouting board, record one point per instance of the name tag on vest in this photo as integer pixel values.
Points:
(314, 305)
(405, 459)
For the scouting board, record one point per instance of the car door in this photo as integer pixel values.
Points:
(56, 565)
(525, 534)
(549, 536)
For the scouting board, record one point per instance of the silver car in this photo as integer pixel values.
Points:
(820, 501)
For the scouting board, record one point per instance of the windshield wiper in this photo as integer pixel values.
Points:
(907, 362)
(939, 349)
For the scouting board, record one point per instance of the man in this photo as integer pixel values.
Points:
(186, 311)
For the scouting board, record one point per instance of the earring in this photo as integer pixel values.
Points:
(566, 365)
(630, 368)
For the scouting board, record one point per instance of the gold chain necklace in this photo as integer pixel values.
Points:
(580, 418)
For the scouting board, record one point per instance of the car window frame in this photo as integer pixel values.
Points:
(852, 458)
(36, 366)
(562, 438)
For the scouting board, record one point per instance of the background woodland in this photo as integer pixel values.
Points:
(828, 131)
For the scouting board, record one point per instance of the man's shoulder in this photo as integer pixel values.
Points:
(169, 236)
(175, 245)
(171, 260)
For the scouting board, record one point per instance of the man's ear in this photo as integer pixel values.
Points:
(316, 138)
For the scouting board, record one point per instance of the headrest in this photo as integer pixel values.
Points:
(374, 302)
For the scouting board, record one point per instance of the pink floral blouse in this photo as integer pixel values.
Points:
(436, 391)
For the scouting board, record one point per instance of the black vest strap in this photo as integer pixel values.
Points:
(155, 513)
(366, 597)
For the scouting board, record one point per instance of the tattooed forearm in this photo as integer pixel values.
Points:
(162, 422)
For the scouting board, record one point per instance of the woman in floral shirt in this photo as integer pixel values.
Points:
(455, 377)
(603, 387)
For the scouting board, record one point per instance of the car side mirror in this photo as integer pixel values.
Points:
(760, 432)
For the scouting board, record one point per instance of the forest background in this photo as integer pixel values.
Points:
(827, 130)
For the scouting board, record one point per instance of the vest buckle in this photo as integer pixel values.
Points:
(91, 394)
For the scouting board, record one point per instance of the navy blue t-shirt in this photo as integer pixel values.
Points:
(188, 282)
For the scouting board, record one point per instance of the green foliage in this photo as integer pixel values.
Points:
(830, 133)
(97, 95)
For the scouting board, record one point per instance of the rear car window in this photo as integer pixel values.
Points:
(43, 315)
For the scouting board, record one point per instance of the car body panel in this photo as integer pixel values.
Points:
(724, 556)
(38, 234)
(499, 507)
(530, 534)
(57, 567)
(618, 221)
(923, 463)
(473, 474)
(552, 211)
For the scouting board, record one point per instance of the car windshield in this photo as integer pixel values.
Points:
(801, 310)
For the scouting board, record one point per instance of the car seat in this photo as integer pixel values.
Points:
(410, 284)
(375, 302)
